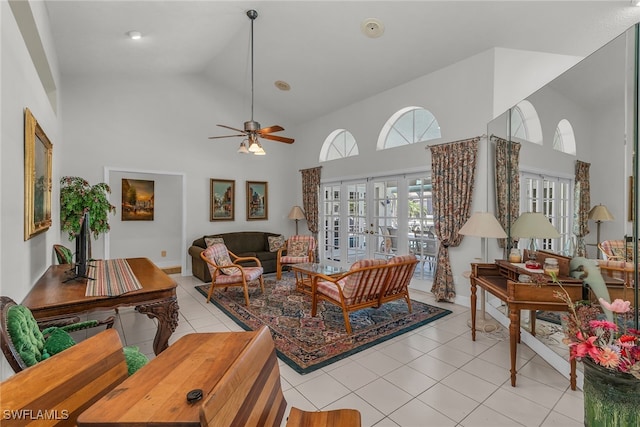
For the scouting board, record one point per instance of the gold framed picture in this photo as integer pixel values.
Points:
(223, 197)
(138, 200)
(257, 200)
(38, 152)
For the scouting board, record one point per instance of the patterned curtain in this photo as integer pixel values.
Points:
(310, 189)
(453, 177)
(581, 206)
(507, 172)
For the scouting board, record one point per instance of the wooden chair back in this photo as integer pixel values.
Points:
(65, 385)
(399, 278)
(249, 394)
(364, 282)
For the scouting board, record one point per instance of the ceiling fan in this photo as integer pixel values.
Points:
(252, 130)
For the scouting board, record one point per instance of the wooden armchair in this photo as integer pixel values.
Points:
(368, 283)
(24, 344)
(298, 249)
(615, 250)
(63, 254)
(225, 272)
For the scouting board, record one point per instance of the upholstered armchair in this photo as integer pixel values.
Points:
(298, 249)
(225, 272)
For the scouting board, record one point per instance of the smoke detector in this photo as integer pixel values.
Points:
(372, 28)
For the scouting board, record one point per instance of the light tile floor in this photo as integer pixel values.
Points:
(432, 376)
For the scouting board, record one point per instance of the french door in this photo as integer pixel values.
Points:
(376, 217)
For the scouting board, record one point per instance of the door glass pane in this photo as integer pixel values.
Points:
(331, 222)
(422, 240)
(357, 226)
(385, 218)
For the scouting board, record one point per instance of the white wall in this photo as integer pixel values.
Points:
(130, 239)
(161, 123)
(519, 73)
(460, 97)
(22, 263)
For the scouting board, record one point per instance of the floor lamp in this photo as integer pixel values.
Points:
(599, 214)
(296, 213)
(483, 225)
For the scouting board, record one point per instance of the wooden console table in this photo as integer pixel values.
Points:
(499, 280)
(51, 296)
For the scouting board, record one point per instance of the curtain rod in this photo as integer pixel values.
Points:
(483, 136)
(308, 169)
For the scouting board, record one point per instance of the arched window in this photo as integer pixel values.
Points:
(525, 123)
(339, 144)
(408, 126)
(564, 139)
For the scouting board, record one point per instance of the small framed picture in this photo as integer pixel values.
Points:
(223, 197)
(257, 200)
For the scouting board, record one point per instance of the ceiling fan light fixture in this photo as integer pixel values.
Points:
(260, 151)
(253, 144)
(243, 148)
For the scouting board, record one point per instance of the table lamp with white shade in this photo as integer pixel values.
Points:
(483, 225)
(533, 225)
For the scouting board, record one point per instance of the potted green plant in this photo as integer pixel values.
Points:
(77, 196)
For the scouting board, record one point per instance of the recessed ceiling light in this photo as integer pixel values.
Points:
(134, 35)
(282, 85)
(372, 28)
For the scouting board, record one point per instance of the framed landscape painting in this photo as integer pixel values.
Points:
(37, 177)
(223, 196)
(257, 200)
(137, 200)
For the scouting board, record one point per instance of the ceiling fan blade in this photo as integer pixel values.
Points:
(226, 136)
(229, 127)
(271, 129)
(278, 138)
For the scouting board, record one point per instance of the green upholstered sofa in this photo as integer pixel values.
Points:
(241, 243)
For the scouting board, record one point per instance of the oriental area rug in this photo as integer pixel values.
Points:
(308, 343)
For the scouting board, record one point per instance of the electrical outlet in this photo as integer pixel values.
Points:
(163, 254)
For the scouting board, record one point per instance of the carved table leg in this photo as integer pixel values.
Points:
(166, 311)
(474, 299)
(514, 332)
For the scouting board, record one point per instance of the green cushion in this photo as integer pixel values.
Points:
(57, 341)
(25, 334)
(135, 359)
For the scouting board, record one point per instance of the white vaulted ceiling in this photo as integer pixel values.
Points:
(317, 46)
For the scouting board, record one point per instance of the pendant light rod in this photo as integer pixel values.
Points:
(252, 14)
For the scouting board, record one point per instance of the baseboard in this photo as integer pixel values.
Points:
(172, 270)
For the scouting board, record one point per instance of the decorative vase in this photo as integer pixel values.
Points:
(611, 398)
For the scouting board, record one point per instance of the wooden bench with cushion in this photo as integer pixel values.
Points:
(55, 391)
(368, 283)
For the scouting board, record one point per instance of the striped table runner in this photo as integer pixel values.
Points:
(110, 278)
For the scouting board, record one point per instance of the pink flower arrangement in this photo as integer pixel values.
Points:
(603, 337)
